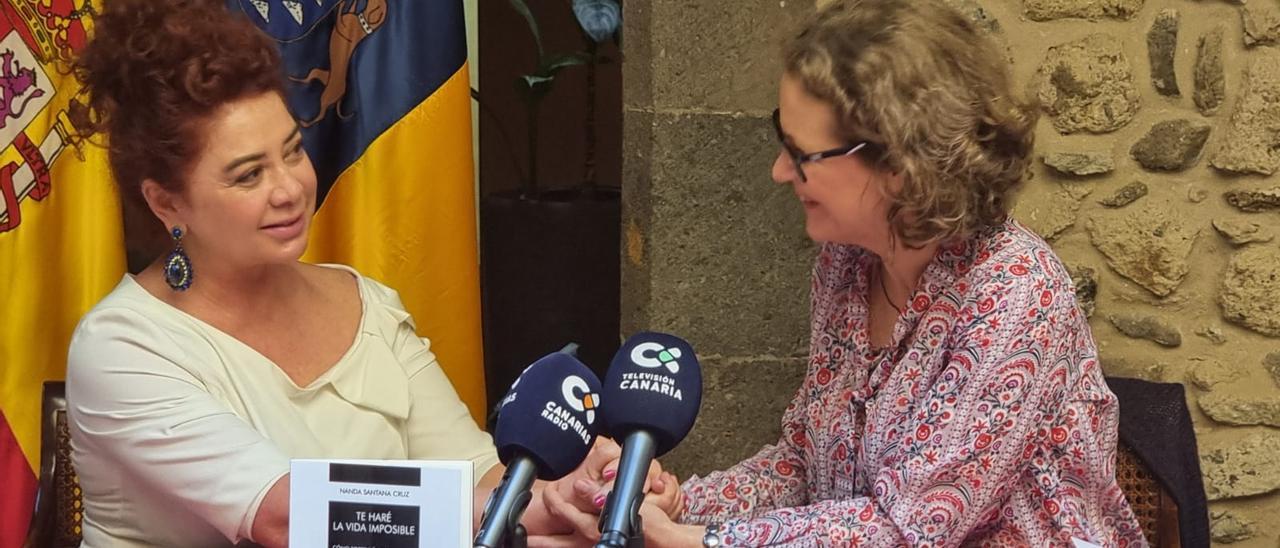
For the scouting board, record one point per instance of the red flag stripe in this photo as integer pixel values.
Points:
(17, 489)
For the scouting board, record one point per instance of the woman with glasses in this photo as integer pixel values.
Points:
(953, 395)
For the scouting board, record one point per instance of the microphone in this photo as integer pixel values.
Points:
(546, 426)
(654, 390)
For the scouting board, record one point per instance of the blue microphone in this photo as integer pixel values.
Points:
(546, 426)
(654, 390)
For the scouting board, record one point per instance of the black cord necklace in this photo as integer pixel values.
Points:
(886, 293)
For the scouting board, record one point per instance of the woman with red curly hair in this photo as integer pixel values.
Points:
(193, 383)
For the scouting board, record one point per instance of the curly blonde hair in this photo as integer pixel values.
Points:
(933, 96)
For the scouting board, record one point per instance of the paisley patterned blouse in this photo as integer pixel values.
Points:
(986, 422)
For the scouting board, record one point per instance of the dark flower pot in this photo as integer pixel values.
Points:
(549, 276)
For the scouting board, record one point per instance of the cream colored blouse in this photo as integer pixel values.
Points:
(178, 429)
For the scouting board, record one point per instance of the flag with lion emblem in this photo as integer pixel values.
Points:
(61, 242)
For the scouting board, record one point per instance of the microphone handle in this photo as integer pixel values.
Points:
(621, 518)
(507, 503)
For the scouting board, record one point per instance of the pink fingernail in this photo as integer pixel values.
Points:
(609, 474)
(599, 500)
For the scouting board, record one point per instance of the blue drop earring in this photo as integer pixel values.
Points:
(177, 266)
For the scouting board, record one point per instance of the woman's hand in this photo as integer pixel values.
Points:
(567, 508)
(579, 488)
(664, 496)
(589, 485)
(581, 523)
(667, 496)
(660, 531)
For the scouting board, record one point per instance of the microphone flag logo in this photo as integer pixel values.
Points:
(665, 357)
(580, 397)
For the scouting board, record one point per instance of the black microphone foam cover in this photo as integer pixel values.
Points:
(550, 415)
(654, 384)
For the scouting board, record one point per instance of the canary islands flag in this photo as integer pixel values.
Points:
(382, 91)
(61, 242)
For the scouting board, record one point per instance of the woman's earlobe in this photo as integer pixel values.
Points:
(160, 201)
(894, 182)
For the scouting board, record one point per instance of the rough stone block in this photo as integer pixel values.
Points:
(1171, 145)
(742, 405)
(1213, 333)
(728, 261)
(1080, 163)
(1250, 295)
(1242, 410)
(1272, 364)
(1149, 246)
(980, 16)
(1227, 528)
(1242, 232)
(716, 55)
(1087, 85)
(1085, 282)
(637, 72)
(1078, 190)
(1125, 195)
(1250, 467)
(637, 211)
(1209, 374)
(1252, 143)
(1210, 79)
(1048, 10)
(1153, 371)
(1254, 201)
(1162, 45)
(1047, 216)
(1147, 327)
(1261, 25)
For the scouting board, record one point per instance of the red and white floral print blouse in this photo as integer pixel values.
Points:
(986, 422)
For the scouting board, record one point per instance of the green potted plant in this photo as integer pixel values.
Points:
(549, 256)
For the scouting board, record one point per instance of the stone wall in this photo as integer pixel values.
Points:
(1153, 181)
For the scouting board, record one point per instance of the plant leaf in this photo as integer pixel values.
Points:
(523, 9)
(533, 87)
(553, 64)
(600, 19)
(535, 82)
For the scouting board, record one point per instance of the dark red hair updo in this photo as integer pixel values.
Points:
(155, 70)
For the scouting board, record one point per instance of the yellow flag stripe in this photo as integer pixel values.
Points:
(404, 214)
(66, 255)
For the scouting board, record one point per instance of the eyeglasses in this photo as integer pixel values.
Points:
(799, 157)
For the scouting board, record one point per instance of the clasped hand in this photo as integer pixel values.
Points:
(577, 499)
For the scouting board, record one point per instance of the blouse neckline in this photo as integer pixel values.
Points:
(323, 378)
